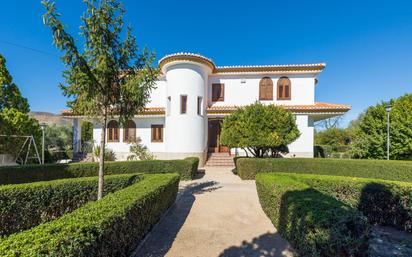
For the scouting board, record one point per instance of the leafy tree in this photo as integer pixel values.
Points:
(370, 131)
(334, 138)
(260, 129)
(14, 122)
(87, 131)
(108, 76)
(10, 96)
(58, 136)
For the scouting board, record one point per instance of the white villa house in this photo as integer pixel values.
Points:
(193, 95)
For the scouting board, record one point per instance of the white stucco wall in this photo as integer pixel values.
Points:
(186, 131)
(143, 130)
(303, 146)
(238, 93)
(186, 134)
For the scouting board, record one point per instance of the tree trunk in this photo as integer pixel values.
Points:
(101, 158)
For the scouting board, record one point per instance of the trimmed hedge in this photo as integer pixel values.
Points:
(314, 223)
(383, 202)
(27, 205)
(110, 227)
(247, 168)
(187, 169)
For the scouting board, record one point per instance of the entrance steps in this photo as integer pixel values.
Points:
(220, 159)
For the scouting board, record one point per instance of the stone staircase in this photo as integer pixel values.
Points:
(220, 159)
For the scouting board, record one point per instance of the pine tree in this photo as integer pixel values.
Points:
(108, 76)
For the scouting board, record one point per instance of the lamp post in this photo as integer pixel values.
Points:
(43, 126)
(388, 109)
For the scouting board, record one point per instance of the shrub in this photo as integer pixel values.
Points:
(314, 223)
(23, 174)
(108, 227)
(383, 202)
(247, 168)
(260, 129)
(27, 205)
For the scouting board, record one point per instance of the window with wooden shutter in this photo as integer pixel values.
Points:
(218, 92)
(129, 132)
(284, 88)
(157, 133)
(183, 104)
(266, 89)
(112, 131)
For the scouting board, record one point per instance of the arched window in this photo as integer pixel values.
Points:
(284, 88)
(266, 89)
(129, 131)
(113, 131)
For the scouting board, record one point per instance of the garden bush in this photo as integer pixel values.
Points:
(383, 202)
(24, 174)
(111, 226)
(247, 168)
(315, 223)
(27, 205)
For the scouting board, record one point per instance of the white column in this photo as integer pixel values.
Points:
(77, 135)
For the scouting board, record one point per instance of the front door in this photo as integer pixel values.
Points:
(214, 137)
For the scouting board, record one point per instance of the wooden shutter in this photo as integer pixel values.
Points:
(112, 131)
(129, 134)
(218, 92)
(157, 133)
(284, 88)
(266, 89)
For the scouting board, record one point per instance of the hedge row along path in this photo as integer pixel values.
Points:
(215, 215)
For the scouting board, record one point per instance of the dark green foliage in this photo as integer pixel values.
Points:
(370, 131)
(109, 227)
(247, 168)
(383, 202)
(24, 174)
(315, 223)
(27, 205)
(260, 129)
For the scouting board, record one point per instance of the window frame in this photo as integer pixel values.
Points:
(263, 89)
(281, 89)
(153, 132)
(112, 131)
(183, 104)
(200, 105)
(221, 97)
(128, 129)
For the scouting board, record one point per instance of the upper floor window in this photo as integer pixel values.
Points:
(157, 133)
(266, 89)
(113, 131)
(284, 88)
(218, 92)
(129, 131)
(199, 105)
(183, 104)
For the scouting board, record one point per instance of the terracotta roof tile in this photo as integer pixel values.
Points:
(317, 107)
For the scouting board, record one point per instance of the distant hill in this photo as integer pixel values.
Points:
(50, 118)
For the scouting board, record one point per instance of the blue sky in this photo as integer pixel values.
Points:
(367, 45)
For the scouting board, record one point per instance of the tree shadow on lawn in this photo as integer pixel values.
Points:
(266, 245)
(160, 239)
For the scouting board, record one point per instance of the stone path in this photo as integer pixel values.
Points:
(215, 215)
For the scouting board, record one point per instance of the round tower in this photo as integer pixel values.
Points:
(186, 97)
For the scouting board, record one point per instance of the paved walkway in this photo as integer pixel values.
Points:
(215, 215)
